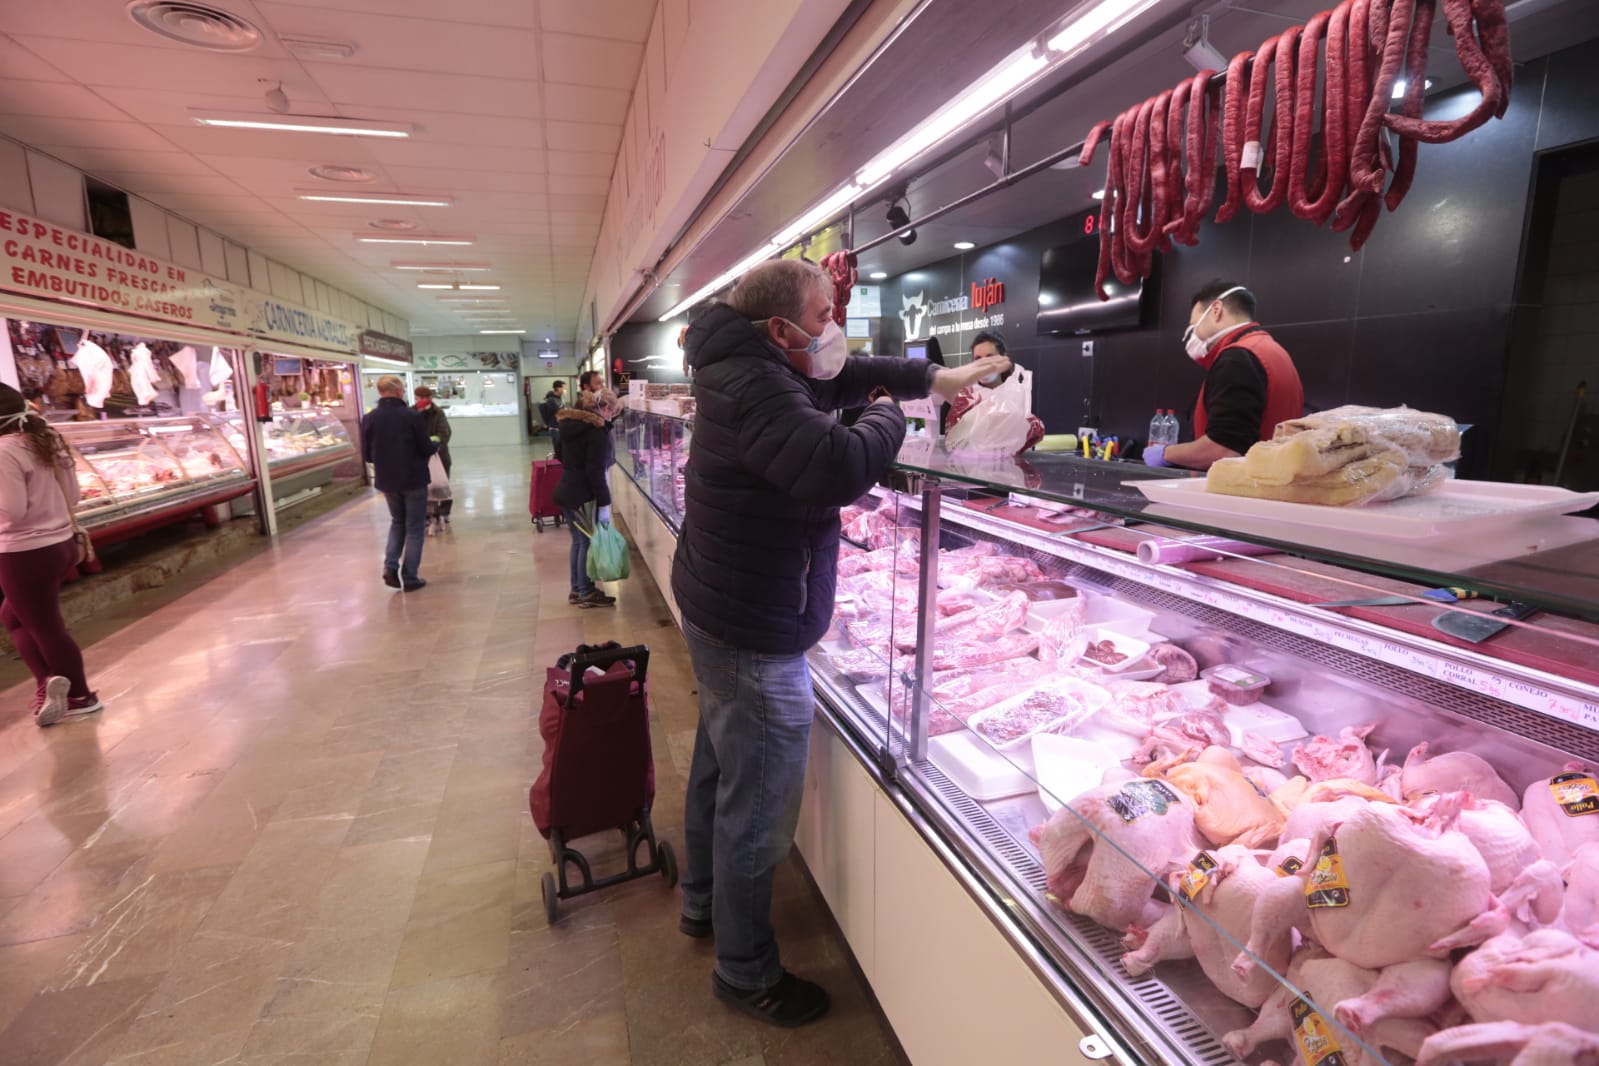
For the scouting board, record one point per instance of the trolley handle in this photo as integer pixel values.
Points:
(604, 659)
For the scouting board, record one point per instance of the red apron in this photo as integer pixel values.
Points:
(1285, 396)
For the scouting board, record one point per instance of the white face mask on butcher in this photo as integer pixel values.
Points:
(1197, 347)
(827, 351)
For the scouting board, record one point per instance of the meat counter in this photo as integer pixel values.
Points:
(1189, 786)
(296, 441)
(137, 474)
(651, 450)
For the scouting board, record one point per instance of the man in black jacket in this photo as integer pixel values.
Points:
(550, 410)
(394, 439)
(754, 579)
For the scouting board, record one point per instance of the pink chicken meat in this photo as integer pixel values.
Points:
(1546, 976)
(1512, 1044)
(1454, 771)
(1562, 813)
(1323, 758)
(1227, 808)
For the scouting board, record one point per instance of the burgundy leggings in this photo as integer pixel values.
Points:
(31, 613)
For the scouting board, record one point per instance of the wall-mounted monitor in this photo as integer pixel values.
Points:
(283, 366)
(1067, 302)
(916, 350)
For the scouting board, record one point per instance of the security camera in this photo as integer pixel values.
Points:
(897, 218)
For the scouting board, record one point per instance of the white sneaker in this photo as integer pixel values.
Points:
(55, 704)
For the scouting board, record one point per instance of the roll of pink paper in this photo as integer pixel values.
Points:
(1193, 549)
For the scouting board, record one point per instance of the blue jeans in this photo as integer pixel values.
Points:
(408, 515)
(744, 791)
(580, 553)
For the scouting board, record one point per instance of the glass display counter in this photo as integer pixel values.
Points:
(652, 450)
(134, 474)
(296, 441)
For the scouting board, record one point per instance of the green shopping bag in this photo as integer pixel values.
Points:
(607, 549)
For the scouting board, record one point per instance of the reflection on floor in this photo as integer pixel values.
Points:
(300, 832)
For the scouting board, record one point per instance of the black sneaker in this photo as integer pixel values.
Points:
(698, 928)
(596, 599)
(792, 1002)
(391, 578)
(573, 597)
(414, 584)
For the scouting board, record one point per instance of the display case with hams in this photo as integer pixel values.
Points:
(1252, 815)
(134, 474)
(652, 449)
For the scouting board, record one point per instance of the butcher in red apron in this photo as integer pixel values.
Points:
(1250, 380)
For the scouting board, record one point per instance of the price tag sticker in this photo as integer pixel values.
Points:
(1327, 885)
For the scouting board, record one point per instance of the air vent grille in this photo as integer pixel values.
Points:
(196, 24)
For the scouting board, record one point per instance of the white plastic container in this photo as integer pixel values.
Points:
(1105, 613)
(1067, 767)
(977, 769)
(1133, 650)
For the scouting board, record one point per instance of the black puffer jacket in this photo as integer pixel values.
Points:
(768, 469)
(587, 452)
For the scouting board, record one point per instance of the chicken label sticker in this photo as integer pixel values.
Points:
(1576, 792)
(1327, 886)
(1314, 1037)
(1138, 798)
(1197, 876)
(1289, 866)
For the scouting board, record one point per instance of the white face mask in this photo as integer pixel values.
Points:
(827, 350)
(1196, 347)
(18, 418)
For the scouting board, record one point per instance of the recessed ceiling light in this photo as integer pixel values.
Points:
(548, 341)
(1099, 194)
(1400, 86)
(878, 275)
(458, 241)
(195, 24)
(502, 331)
(964, 246)
(253, 120)
(436, 265)
(402, 198)
(349, 175)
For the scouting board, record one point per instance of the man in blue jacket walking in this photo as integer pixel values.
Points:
(754, 576)
(394, 439)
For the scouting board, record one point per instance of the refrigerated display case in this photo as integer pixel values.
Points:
(297, 442)
(137, 474)
(652, 450)
(1041, 736)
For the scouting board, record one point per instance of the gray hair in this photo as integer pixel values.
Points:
(389, 385)
(778, 288)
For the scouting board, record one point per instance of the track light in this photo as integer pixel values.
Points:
(1198, 50)
(897, 218)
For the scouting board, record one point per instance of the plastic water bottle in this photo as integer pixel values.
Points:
(1157, 428)
(1170, 427)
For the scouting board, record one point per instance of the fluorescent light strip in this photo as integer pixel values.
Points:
(489, 331)
(348, 127)
(1102, 19)
(817, 215)
(457, 241)
(412, 264)
(456, 287)
(404, 199)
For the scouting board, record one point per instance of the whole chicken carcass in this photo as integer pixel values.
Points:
(1580, 913)
(1562, 812)
(1228, 809)
(1322, 758)
(1453, 771)
(1547, 975)
(1384, 885)
(1212, 926)
(1511, 1043)
(1496, 831)
(1151, 825)
(1306, 1025)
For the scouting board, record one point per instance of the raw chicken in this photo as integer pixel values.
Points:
(1561, 826)
(1310, 809)
(1322, 758)
(1264, 750)
(1385, 890)
(1454, 771)
(1227, 808)
(1545, 976)
(1151, 825)
(1511, 1043)
(1581, 912)
(1326, 981)
(1222, 906)
(1498, 834)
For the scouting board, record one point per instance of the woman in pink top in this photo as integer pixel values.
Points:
(37, 552)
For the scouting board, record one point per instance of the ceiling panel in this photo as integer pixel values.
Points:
(488, 12)
(588, 164)
(586, 103)
(432, 179)
(626, 20)
(53, 99)
(400, 43)
(591, 61)
(18, 62)
(423, 153)
(350, 86)
(583, 185)
(94, 20)
(153, 67)
(76, 133)
(98, 160)
(582, 137)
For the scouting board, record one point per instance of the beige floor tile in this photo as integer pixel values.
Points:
(455, 1021)
(459, 924)
(561, 976)
(596, 1041)
(323, 1037)
(76, 1027)
(26, 968)
(336, 969)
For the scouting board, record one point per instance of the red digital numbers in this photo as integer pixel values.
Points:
(1090, 220)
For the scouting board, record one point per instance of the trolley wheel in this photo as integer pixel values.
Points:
(668, 860)
(551, 897)
(539, 522)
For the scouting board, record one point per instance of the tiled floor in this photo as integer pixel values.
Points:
(299, 835)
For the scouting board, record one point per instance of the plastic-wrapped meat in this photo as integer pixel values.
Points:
(1058, 705)
(1135, 706)
(1263, 750)
(853, 561)
(954, 601)
(874, 633)
(1323, 758)
(959, 711)
(860, 665)
(988, 570)
(984, 623)
(984, 653)
(875, 529)
(1177, 665)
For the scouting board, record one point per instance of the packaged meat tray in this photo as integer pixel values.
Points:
(1234, 684)
(1258, 718)
(1058, 705)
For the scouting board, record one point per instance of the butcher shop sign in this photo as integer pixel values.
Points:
(39, 258)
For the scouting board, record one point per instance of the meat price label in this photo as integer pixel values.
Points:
(1314, 1037)
(1197, 876)
(1327, 885)
(1576, 792)
(1138, 798)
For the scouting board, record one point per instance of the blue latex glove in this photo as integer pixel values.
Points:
(1155, 455)
(605, 514)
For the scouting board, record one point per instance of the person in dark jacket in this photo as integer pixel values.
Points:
(587, 454)
(754, 577)
(438, 427)
(550, 411)
(394, 439)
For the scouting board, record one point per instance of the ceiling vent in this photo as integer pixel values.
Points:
(195, 24)
(393, 225)
(355, 175)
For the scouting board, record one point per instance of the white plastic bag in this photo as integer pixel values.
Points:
(997, 425)
(438, 480)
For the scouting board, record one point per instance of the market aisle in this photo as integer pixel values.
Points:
(300, 832)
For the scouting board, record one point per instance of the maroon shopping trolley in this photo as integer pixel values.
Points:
(599, 773)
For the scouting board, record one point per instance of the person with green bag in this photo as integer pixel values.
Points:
(585, 499)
